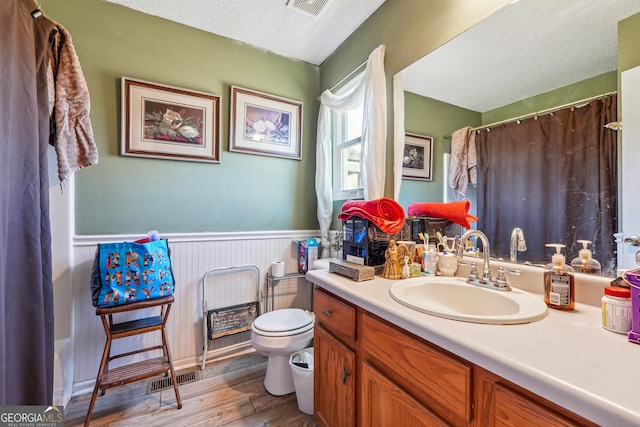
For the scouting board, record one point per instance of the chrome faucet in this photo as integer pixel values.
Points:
(486, 281)
(517, 244)
(486, 271)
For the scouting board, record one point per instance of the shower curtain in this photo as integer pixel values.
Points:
(26, 294)
(554, 176)
(43, 100)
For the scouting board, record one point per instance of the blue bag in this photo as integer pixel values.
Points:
(127, 272)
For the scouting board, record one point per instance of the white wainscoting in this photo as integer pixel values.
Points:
(192, 255)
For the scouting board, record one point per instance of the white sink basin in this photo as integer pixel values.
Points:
(453, 298)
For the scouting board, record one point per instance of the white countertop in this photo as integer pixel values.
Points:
(567, 357)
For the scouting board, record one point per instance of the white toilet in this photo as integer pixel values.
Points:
(277, 334)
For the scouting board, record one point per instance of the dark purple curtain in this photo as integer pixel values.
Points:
(26, 291)
(554, 176)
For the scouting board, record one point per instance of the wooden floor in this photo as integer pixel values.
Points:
(229, 393)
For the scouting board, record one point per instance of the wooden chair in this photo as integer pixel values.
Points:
(108, 378)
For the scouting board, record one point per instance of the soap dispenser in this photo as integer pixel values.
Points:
(559, 281)
(584, 263)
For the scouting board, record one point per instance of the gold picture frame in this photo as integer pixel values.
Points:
(265, 124)
(167, 122)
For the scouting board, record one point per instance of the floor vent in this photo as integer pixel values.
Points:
(166, 382)
(309, 7)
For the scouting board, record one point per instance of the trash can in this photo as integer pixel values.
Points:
(301, 363)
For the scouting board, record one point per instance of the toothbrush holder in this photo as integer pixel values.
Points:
(447, 264)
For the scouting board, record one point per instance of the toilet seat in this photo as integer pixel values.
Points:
(283, 322)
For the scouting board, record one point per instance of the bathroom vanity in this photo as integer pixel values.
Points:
(381, 363)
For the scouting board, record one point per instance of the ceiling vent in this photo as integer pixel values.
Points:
(311, 8)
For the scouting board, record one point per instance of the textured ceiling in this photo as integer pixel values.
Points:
(267, 24)
(526, 48)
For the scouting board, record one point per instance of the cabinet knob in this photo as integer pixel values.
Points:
(345, 375)
(326, 312)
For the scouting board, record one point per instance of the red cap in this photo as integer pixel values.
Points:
(617, 291)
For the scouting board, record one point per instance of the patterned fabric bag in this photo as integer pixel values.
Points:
(127, 272)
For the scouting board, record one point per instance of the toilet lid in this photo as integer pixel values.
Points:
(288, 319)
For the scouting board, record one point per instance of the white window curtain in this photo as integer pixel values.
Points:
(370, 92)
(398, 133)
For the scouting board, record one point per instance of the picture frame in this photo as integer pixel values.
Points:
(417, 158)
(167, 122)
(265, 124)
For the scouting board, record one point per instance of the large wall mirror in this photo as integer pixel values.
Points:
(531, 57)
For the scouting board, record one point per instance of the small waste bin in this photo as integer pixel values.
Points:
(301, 363)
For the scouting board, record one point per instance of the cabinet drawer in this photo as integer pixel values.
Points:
(334, 314)
(438, 379)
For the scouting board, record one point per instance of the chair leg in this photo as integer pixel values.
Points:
(103, 365)
(165, 344)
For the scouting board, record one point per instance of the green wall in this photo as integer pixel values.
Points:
(426, 116)
(243, 192)
(133, 195)
(598, 85)
(409, 29)
(628, 39)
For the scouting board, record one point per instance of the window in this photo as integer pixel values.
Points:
(347, 152)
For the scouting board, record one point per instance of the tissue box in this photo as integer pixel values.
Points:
(352, 270)
(307, 254)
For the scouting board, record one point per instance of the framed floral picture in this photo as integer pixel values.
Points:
(167, 122)
(417, 158)
(265, 124)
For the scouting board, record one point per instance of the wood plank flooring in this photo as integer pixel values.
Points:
(229, 394)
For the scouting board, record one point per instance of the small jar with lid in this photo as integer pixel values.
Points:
(616, 309)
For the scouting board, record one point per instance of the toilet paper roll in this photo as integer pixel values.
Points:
(277, 269)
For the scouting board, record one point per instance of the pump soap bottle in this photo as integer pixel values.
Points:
(559, 281)
(584, 263)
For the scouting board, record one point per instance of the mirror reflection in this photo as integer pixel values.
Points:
(532, 88)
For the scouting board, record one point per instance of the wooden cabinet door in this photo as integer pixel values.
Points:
(513, 409)
(438, 379)
(334, 381)
(386, 404)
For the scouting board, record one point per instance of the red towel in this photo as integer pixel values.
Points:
(385, 213)
(457, 212)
